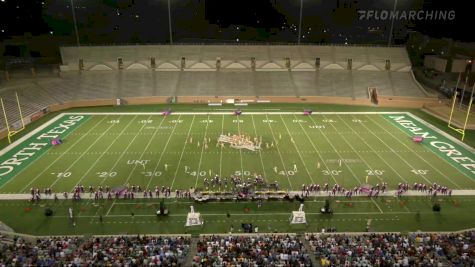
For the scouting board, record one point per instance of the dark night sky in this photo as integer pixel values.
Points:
(327, 21)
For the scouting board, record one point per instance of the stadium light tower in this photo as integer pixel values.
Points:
(75, 23)
(300, 20)
(170, 23)
(392, 24)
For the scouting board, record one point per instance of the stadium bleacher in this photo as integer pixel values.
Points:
(200, 78)
(262, 250)
(96, 251)
(394, 249)
(267, 57)
(330, 249)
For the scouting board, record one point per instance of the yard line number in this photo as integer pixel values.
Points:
(374, 172)
(420, 172)
(106, 174)
(152, 174)
(61, 174)
(331, 172)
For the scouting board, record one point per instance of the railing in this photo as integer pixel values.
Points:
(236, 43)
(33, 237)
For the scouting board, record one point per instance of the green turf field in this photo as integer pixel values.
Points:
(149, 149)
(384, 214)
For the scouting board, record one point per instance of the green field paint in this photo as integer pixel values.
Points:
(455, 154)
(28, 151)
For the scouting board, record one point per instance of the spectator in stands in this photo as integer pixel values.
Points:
(267, 250)
(395, 249)
(118, 251)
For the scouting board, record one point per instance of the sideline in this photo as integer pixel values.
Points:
(322, 194)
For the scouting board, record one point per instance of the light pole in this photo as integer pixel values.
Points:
(392, 24)
(300, 21)
(170, 23)
(75, 23)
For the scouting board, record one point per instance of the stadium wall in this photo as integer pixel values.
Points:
(384, 101)
(442, 111)
(82, 103)
(145, 100)
(33, 238)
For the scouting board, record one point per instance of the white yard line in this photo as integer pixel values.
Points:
(260, 152)
(450, 137)
(379, 208)
(201, 155)
(37, 158)
(221, 151)
(234, 203)
(123, 153)
(246, 214)
(58, 158)
(11, 146)
(393, 152)
(390, 194)
(316, 150)
(339, 155)
(161, 154)
(422, 158)
(240, 151)
(446, 135)
(182, 152)
(377, 154)
(441, 132)
(278, 151)
(228, 113)
(110, 208)
(96, 161)
(406, 208)
(298, 151)
(30, 134)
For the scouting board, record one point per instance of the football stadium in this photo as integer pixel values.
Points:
(251, 147)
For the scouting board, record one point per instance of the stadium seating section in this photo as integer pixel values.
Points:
(371, 249)
(100, 251)
(198, 75)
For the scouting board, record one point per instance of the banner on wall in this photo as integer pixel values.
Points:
(16, 126)
(36, 115)
(27, 120)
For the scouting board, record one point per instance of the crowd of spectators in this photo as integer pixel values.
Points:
(96, 251)
(456, 249)
(44, 252)
(250, 251)
(377, 249)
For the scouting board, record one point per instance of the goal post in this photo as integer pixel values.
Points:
(453, 127)
(11, 132)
